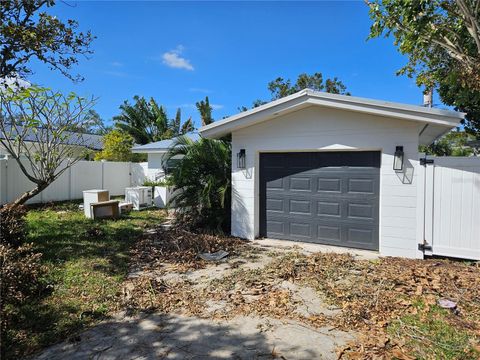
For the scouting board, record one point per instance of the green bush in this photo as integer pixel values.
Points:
(12, 226)
(154, 183)
(201, 182)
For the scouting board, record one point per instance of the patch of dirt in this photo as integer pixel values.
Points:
(304, 305)
(309, 301)
(322, 290)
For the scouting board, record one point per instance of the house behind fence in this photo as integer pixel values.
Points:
(84, 175)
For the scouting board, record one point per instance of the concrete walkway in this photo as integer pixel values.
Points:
(176, 336)
(180, 337)
(310, 248)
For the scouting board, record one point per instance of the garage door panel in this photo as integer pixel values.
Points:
(329, 208)
(303, 207)
(329, 233)
(329, 198)
(300, 184)
(275, 184)
(363, 211)
(300, 229)
(361, 237)
(329, 185)
(275, 205)
(275, 227)
(361, 186)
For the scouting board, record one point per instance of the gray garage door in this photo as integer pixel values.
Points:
(323, 197)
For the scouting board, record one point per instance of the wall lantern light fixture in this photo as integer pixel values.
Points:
(241, 159)
(398, 159)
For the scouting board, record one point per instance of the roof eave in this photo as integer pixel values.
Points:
(307, 98)
(149, 151)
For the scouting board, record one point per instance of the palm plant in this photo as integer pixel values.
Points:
(205, 110)
(146, 121)
(201, 180)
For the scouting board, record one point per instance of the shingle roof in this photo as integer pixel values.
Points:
(90, 141)
(161, 146)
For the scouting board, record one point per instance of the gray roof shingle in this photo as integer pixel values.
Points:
(161, 146)
(90, 141)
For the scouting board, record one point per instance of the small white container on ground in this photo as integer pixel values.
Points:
(93, 196)
(139, 196)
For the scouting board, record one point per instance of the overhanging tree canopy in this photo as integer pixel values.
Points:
(27, 32)
(442, 41)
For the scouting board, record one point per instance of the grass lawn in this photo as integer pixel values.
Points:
(87, 261)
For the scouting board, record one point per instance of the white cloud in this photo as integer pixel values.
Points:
(173, 59)
(13, 83)
(116, 64)
(216, 106)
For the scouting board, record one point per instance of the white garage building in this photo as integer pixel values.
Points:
(319, 167)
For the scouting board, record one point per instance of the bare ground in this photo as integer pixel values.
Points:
(268, 300)
(210, 334)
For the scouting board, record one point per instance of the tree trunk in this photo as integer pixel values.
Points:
(28, 195)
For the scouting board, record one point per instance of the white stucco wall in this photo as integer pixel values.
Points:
(155, 166)
(323, 129)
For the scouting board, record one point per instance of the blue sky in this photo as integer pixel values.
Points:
(179, 52)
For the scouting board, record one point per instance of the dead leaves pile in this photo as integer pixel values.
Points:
(174, 250)
(371, 294)
(178, 246)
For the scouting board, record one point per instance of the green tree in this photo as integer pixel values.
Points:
(442, 41)
(37, 124)
(281, 87)
(178, 128)
(146, 121)
(27, 32)
(93, 124)
(117, 146)
(455, 143)
(201, 181)
(187, 127)
(205, 111)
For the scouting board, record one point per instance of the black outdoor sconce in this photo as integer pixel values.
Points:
(398, 159)
(241, 159)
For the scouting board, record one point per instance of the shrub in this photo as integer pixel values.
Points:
(117, 146)
(21, 272)
(201, 181)
(12, 226)
(21, 280)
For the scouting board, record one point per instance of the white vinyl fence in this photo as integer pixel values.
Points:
(452, 207)
(84, 175)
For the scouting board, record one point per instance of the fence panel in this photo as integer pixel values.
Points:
(17, 183)
(139, 173)
(3, 181)
(452, 206)
(59, 190)
(116, 177)
(84, 175)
